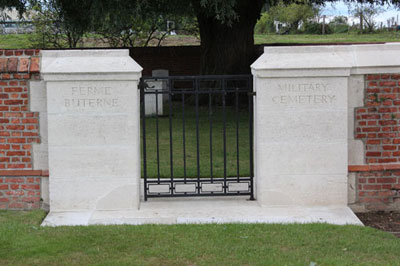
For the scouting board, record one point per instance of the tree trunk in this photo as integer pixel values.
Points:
(228, 49)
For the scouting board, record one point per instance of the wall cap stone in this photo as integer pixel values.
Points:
(88, 64)
(329, 60)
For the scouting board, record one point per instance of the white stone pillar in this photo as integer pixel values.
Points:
(93, 129)
(301, 126)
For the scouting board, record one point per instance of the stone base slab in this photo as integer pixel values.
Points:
(203, 211)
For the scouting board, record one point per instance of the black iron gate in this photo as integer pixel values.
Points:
(197, 136)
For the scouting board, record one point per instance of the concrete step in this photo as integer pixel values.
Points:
(202, 211)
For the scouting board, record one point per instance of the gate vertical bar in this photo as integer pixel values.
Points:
(143, 114)
(237, 131)
(251, 110)
(184, 136)
(196, 87)
(224, 129)
(170, 84)
(211, 135)
(157, 140)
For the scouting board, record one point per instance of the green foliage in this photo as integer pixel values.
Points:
(61, 24)
(339, 20)
(292, 15)
(339, 28)
(219, 21)
(265, 24)
(138, 30)
(222, 10)
(135, 31)
(55, 30)
(339, 24)
(187, 25)
(367, 14)
(20, 5)
(313, 27)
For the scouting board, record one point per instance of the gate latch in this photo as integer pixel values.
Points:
(251, 93)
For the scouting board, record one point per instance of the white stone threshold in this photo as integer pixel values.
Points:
(203, 211)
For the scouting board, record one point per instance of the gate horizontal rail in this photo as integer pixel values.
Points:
(222, 91)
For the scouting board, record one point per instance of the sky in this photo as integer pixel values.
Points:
(340, 9)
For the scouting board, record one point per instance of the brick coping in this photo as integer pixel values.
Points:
(24, 172)
(369, 168)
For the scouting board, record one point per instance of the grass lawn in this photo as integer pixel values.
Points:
(329, 38)
(17, 41)
(204, 142)
(24, 242)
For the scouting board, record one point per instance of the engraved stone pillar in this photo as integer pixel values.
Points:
(301, 126)
(93, 129)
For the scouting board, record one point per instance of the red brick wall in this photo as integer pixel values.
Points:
(19, 127)
(377, 124)
(378, 186)
(378, 189)
(20, 190)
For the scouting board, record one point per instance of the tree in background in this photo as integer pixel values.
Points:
(226, 26)
(366, 13)
(296, 17)
(3, 15)
(53, 29)
(339, 24)
(143, 31)
(292, 15)
(265, 24)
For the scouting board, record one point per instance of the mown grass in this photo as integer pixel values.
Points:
(24, 242)
(205, 165)
(16, 41)
(328, 38)
(19, 41)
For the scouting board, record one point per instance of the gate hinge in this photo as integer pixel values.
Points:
(144, 85)
(141, 85)
(251, 93)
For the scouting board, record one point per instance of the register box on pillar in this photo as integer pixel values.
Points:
(93, 129)
(301, 126)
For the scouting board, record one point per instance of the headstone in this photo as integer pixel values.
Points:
(158, 95)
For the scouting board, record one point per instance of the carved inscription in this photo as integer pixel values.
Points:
(304, 94)
(91, 97)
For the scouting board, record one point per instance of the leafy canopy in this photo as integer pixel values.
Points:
(224, 11)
